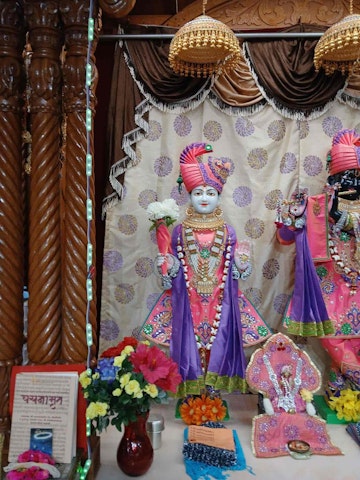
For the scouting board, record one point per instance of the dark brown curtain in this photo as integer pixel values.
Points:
(285, 71)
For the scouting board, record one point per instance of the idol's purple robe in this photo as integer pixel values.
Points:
(227, 363)
(306, 313)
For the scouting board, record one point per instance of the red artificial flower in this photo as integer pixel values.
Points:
(116, 351)
(172, 380)
(151, 362)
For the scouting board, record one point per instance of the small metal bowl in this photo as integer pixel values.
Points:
(299, 447)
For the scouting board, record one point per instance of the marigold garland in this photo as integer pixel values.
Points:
(196, 410)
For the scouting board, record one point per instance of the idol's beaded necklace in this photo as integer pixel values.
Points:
(286, 395)
(346, 266)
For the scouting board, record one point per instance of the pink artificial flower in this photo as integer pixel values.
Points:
(36, 456)
(32, 473)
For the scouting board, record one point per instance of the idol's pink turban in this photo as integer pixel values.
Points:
(194, 173)
(345, 152)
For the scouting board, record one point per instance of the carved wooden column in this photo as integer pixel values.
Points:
(11, 200)
(44, 278)
(76, 310)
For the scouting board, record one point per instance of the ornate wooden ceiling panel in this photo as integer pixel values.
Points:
(245, 15)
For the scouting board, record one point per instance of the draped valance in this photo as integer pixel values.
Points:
(278, 72)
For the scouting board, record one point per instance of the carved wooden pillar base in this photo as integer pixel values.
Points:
(5, 420)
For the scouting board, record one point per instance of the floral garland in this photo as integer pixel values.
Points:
(350, 275)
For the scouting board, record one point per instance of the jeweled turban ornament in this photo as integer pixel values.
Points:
(193, 172)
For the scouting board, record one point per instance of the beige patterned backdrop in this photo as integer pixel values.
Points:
(270, 155)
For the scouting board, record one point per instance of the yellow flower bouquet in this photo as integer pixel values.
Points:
(346, 405)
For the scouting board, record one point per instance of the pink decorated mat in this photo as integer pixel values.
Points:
(271, 433)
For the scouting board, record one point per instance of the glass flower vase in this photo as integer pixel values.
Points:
(135, 452)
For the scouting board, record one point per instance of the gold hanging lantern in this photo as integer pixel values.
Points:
(339, 48)
(202, 47)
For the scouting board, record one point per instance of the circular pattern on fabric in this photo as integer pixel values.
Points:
(276, 130)
(254, 228)
(272, 198)
(144, 267)
(331, 125)
(313, 165)
(155, 131)
(327, 287)
(127, 224)
(258, 158)
(303, 128)
(181, 198)
(182, 125)
(151, 300)
(288, 162)
(244, 127)
(212, 130)
(147, 196)
(153, 236)
(270, 268)
(112, 260)
(280, 302)
(254, 295)
(163, 166)
(109, 330)
(242, 196)
(230, 162)
(124, 293)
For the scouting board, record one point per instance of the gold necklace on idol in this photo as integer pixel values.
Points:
(204, 259)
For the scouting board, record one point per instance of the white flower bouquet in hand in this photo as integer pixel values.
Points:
(162, 215)
(166, 212)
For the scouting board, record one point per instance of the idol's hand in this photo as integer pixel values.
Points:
(171, 262)
(268, 407)
(310, 409)
(334, 212)
(242, 255)
(160, 260)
